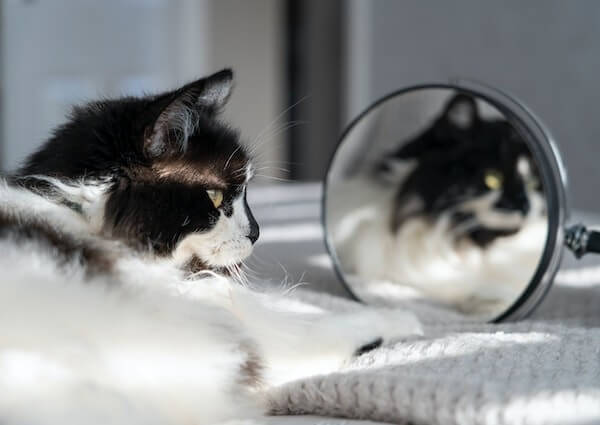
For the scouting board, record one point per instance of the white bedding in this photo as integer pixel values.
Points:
(545, 370)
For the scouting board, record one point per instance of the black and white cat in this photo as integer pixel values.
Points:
(478, 170)
(456, 212)
(120, 240)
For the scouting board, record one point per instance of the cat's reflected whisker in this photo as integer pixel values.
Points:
(450, 204)
(464, 228)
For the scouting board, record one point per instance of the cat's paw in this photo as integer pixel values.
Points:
(369, 347)
(397, 324)
(387, 326)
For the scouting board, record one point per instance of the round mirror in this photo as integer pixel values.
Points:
(447, 199)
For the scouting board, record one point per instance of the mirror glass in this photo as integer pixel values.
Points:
(434, 198)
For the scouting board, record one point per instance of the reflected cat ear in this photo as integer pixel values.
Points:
(461, 111)
(179, 112)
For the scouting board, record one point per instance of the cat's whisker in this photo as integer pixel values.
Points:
(231, 157)
(239, 275)
(275, 162)
(240, 171)
(278, 130)
(291, 288)
(272, 168)
(259, 143)
(280, 179)
(259, 259)
(207, 273)
(464, 228)
(275, 166)
(287, 275)
(452, 205)
(281, 114)
(250, 271)
(233, 273)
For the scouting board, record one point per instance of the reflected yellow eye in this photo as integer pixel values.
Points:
(216, 196)
(493, 179)
(533, 183)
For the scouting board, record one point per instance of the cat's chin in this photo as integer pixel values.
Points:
(202, 251)
(196, 265)
(483, 236)
(229, 264)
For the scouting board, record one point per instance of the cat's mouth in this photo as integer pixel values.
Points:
(483, 236)
(484, 230)
(213, 253)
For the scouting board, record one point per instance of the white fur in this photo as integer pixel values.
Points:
(180, 115)
(89, 194)
(144, 345)
(482, 208)
(426, 257)
(226, 244)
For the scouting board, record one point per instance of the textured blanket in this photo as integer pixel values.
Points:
(545, 370)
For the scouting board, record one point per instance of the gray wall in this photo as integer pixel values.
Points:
(249, 37)
(545, 52)
(314, 72)
(59, 53)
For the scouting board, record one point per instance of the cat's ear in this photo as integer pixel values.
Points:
(178, 112)
(213, 91)
(461, 111)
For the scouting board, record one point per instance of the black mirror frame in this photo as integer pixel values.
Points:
(552, 173)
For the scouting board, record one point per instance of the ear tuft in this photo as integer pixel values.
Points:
(180, 110)
(461, 111)
(217, 89)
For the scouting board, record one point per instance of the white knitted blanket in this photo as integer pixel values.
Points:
(545, 370)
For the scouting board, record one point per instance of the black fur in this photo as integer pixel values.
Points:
(452, 157)
(158, 174)
(66, 249)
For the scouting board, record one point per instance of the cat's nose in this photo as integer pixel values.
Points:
(254, 233)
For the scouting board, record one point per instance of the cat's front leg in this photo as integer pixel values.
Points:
(297, 344)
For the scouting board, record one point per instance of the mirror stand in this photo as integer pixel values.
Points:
(581, 240)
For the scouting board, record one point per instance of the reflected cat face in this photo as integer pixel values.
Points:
(477, 172)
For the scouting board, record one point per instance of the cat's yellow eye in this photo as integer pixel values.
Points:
(493, 179)
(216, 196)
(533, 183)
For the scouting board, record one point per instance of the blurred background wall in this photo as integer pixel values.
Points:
(304, 67)
(60, 52)
(545, 52)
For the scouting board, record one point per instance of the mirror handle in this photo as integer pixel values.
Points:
(581, 240)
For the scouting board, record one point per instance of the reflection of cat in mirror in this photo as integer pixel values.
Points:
(468, 203)
(455, 214)
(479, 173)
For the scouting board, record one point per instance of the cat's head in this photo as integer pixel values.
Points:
(172, 175)
(479, 171)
